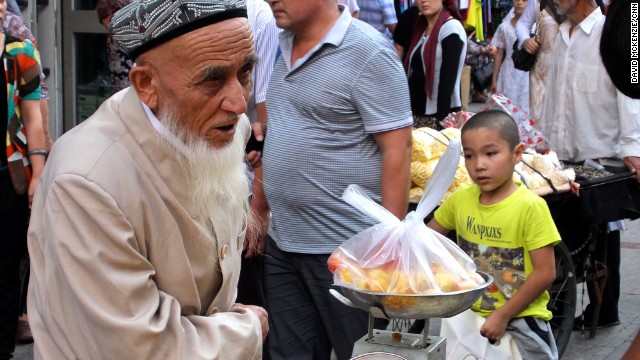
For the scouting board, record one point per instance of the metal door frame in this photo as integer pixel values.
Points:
(73, 22)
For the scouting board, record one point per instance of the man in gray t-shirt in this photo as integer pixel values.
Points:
(339, 114)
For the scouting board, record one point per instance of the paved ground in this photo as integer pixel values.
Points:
(611, 343)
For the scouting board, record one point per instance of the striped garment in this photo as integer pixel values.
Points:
(265, 36)
(323, 111)
(22, 71)
(379, 14)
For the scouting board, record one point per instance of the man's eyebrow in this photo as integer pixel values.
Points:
(213, 73)
(252, 60)
(217, 72)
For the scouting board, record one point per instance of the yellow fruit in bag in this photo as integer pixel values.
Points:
(445, 282)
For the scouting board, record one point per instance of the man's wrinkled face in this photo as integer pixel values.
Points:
(205, 75)
(565, 7)
(292, 15)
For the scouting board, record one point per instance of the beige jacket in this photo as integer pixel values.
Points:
(115, 271)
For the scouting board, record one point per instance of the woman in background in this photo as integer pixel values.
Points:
(21, 164)
(543, 14)
(508, 80)
(431, 42)
(119, 61)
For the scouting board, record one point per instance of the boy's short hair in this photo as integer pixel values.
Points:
(498, 120)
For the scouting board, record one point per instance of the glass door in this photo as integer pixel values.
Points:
(86, 67)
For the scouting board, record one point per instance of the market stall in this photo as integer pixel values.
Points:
(583, 200)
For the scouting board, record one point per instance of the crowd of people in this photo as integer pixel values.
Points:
(192, 216)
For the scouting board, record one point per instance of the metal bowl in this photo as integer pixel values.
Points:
(378, 356)
(417, 306)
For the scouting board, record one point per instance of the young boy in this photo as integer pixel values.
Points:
(509, 233)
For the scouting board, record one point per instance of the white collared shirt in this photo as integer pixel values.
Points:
(585, 116)
(265, 37)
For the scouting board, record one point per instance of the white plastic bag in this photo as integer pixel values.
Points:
(465, 342)
(405, 257)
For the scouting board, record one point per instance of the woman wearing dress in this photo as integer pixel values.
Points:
(431, 42)
(508, 80)
(547, 33)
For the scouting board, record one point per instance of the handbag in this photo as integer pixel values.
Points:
(465, 342)
(482, 75)
(522, 60)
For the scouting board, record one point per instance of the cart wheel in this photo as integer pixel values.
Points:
(562, 302)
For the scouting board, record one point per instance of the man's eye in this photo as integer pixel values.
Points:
(247, 69)
(491, 153)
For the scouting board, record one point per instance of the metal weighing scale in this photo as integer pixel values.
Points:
(384, 344)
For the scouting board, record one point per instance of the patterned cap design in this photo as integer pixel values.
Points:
(145, 24)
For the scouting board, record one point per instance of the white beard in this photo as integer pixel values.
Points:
(216, 179)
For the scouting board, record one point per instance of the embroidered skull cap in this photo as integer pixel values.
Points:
(145, 24)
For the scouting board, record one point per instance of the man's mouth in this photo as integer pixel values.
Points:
(226, 127)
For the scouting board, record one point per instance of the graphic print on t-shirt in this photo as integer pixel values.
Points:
(506, 265)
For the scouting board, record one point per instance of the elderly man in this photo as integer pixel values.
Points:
(139, 221)
(585, 117)
(352, 126)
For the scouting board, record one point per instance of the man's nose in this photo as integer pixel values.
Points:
(235, 100)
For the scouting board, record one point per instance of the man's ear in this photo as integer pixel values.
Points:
(143, 82)
(517, 152)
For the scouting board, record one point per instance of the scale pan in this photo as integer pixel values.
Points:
(417, 306)
(379, 356)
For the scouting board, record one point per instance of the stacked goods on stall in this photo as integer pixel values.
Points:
(428, 146)
(538, 172)
(543, 173)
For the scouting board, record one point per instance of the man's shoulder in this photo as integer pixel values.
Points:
(362, 34)
(81, 148)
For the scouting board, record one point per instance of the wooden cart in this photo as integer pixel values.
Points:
(582, 220)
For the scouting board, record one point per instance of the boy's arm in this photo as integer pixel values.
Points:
(435, 225)
(543, 274)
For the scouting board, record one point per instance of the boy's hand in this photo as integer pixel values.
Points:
(495, 326)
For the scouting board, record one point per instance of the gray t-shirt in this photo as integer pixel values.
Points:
(323, 111)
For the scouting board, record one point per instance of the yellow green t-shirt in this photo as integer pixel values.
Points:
(499, 238)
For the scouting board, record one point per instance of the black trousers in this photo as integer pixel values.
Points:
(611, 292)
(251, 288)
(305, 320)
(14, 220)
